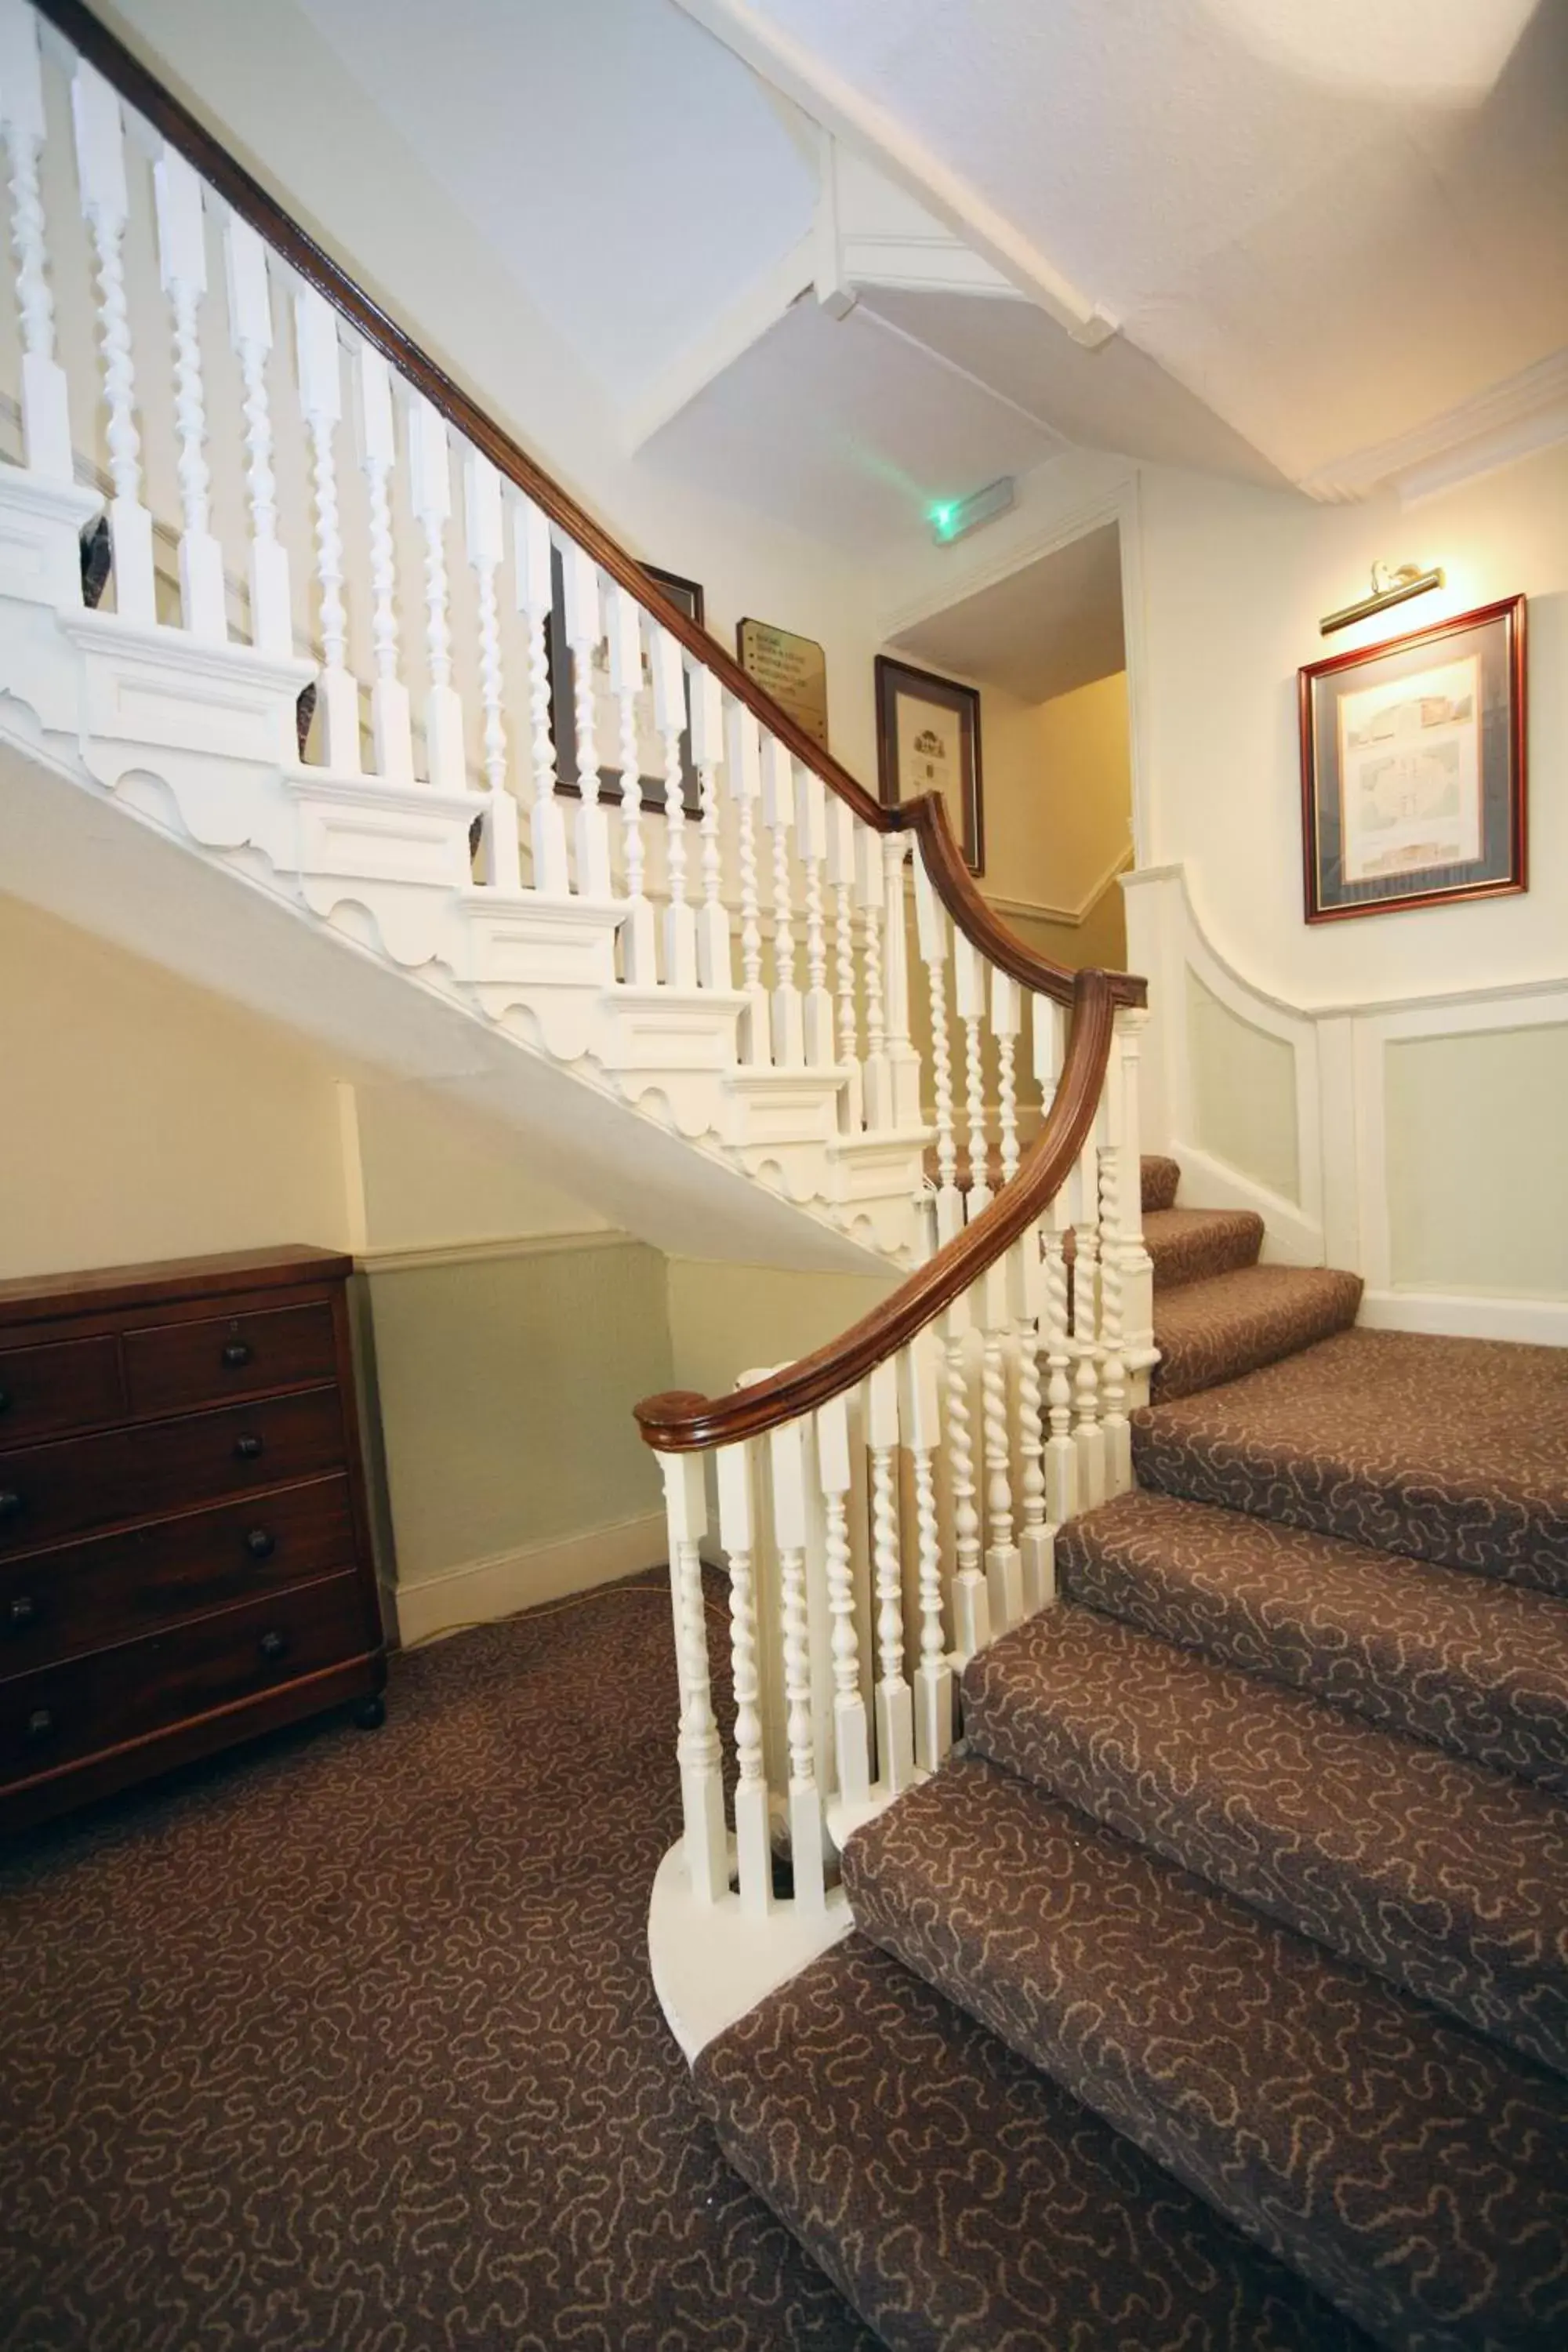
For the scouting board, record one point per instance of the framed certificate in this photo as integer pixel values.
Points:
(928, 740)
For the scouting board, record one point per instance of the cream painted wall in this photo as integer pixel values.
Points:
(432, 1175)
(1477, 1162)
(725, 1320)
(1059, 795)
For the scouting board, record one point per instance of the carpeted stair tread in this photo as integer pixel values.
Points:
(1447, 1450)
(1231, 1324)
(1186, 1245)
(962, 2200)
(1461, 1662)
(1411, 2170)
(1437, 1873)
(1160, 1179)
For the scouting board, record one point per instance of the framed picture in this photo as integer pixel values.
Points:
(928, 740)
(688, 595)
(1412, 780)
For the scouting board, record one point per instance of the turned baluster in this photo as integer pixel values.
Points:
(430, 495)
(1037, 1540)
(931, 934)
(250, 332)
(1006, 1013)
(869, 891)
(788, 1026)
(811, 847)
(1004, 1571)
(697, 1749)
(580, 576)
(670, 717)
(895, 1703)
(1088, 1434)
(841, 831)
(1061, 1453)
(1118, 1433)
(502, 852)
(535, 596)
(969, 978)
(737, 1533)
(391, 722)
(849, 1736)
(787, 1455)
(970, 1603)
(639, 960)
(106, 208)
(45, 414)
(183, 273)
(707, 751)
(1137, 1267)
(903, 1062)
(320, 403)
(934, 1676)
(744, 770)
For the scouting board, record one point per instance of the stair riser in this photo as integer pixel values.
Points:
(1249, 1321)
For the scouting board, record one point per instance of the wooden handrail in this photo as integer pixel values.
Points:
(681, 1422)
(925, 818)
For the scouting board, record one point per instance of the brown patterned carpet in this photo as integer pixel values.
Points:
(347, 2043)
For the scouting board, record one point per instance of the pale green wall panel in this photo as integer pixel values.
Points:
(1477, 1162)
(1244, 1093)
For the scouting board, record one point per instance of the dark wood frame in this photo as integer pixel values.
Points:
(963, 701)
(688, 597)
(1502, 797)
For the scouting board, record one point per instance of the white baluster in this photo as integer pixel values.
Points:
(848, 1707)
(806, 1824)
(744, 770)
(932, 933)
(970, 1603)
(1036, 1537)
(1006, 1013)
(895, 1705)
(581, 576)
(707, 751)
(1137, 1267)
(639, 960)
(934, 1676)
(1003, 1570)
(45, 414)
(502, 851)
(669, 716)
(811, 847)
(841, 831)
(250, 332)
(391, 723)
(737, 1532)
(868, 888)
(430, 495)
(701, 1787)
(903, 1062)
(969, 977)
(789, 1025)
(321, 403)
(535, 594)
(1061, 1453)
(1089, 1436)
(183, 271)
(106, 205)
(1113, 1372)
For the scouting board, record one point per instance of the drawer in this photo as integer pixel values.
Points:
(48, 1493)
(56, 1385)
(63, 1713)
(83, 1596)
(171, 1367)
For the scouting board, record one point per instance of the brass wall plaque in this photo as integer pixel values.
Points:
(793, 670)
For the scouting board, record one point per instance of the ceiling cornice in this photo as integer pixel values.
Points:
(1522, 412)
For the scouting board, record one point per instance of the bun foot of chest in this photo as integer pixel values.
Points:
(370, 1714)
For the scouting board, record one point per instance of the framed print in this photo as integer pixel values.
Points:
(1412, 770)
(928, 740)
(688, 595)
(793, 670)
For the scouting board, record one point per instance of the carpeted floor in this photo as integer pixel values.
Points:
(347, 2043)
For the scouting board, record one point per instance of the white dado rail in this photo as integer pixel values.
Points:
(1420, 1142)
(293, 504)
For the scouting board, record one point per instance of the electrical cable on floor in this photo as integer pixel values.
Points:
(555, 1609)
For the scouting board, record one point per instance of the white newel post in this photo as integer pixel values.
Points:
(903, 1062)
(895, 1707)
(581, 577)
(321, 404)
(931, 932)
(702, 1786)
(868, 890)
(1118, 1433)
(969, 978)
(1006, 1014)
(670, 717)
(535, 595)
(934, 1676)
(811, 843)
(744, 770)
(501, 858)
(788, 1025)
(45, 412)
(806, 1825)
(250, 332)
(707, 751)
(849, 1738)
(430, 495)
(1036, 1539)
(183, 271)
(1089, 1436)
(1003, 1572)
(639, 953)
(391, 722)
(841, 830)
(737, 1533)
(1137, 1266)
(106, 208)
(970, 1603)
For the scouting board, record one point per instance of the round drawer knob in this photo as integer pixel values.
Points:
(4, 1400)
(261, 1543)
(273, 1647)
(249, 1448)
(10, 1504)
(237, 1353)
(40, 1723)
(21, 1613)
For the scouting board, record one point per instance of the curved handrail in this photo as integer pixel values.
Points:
(925, 818)
(681, 1422)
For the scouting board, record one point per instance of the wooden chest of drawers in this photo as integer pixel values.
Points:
(185, 1557)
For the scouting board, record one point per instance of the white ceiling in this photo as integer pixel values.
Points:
(1054, 626)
